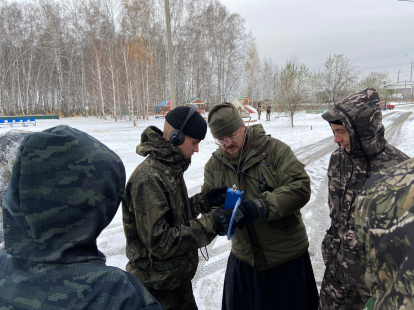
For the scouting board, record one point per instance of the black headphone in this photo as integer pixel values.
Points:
(177, 136)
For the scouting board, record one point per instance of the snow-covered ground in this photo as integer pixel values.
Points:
(312, 141)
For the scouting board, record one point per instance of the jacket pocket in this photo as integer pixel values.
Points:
(268, 173)
(166, 274)
(286, 223)
(174, 272)
(354, 272)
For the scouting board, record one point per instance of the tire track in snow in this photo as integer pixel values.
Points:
(393, 132)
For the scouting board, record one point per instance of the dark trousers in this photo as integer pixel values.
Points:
(290, 286)
(181, 298)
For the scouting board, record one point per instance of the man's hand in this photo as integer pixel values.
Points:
(216, 196)
(221, 219)
(251, 210)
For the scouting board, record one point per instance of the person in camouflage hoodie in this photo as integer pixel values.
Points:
(160, 222)
(9, 144)
(384, 224)
(357, 125)
(65, 188)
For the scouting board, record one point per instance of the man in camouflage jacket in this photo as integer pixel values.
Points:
(65, 188)
(160, 222)
(384, 224)
(357, 125)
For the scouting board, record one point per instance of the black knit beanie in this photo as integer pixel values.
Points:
(196, 126)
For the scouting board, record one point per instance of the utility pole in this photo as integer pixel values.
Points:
(398, 76)
(411, 78)
(405, 87)
(411, 75)
(170, 54)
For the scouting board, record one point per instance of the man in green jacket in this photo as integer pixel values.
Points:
(269, 265)
(160, 222)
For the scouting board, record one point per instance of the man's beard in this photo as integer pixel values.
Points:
(231, 156)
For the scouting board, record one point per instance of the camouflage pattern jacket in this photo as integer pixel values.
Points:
(9, 144)
(281, 236)
(65, 188)
(384, 223)
(160, 221)
(347, 174)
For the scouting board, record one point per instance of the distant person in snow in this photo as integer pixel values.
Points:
(356, 122)
(9, 144)
(65, 188)
(269, 265)
(259, 110)
(160, 221)
(384, 224)
(268, 110)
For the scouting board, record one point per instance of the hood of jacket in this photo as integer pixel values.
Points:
(361, 115)
(153, 143)
(65, 188)
(9, 144)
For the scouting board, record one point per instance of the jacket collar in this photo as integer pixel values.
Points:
(154, 144)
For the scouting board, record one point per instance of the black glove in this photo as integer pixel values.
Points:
(251, 210)
(216, 196)
(222, 218)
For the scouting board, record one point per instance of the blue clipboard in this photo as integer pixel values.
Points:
(230, 234)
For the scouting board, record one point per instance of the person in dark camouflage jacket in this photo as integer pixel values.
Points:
(65, 188)
(362, 152)
(384, 224)
(9, 144)
(160, 222)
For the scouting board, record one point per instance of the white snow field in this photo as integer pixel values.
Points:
(312, 141)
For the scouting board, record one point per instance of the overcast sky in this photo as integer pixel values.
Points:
(374, 34)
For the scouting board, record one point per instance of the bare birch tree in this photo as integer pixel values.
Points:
(294, 85)
(339, 77)
(253, 70)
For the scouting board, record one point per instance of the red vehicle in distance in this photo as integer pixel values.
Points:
(389, 106)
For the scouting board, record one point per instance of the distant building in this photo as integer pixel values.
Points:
(244, 100)
(199, 103)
